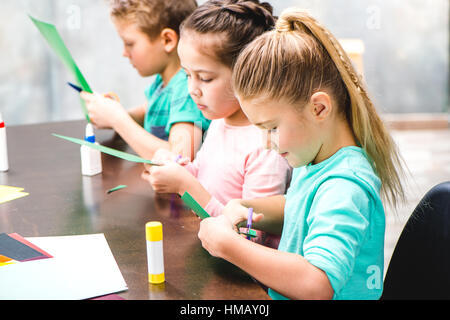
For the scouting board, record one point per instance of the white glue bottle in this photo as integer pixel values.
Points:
(91, 159)
(155, 256)
(3, 146)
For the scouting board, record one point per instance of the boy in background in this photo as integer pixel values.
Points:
(169, 119)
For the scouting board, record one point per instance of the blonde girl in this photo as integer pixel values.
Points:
(298, 84)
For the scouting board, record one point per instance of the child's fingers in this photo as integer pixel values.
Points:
(162, 154)
(257, 217)
(112, 95)
(86, 96)
(152, 169)
(155, 171)
(161, 163)
(145, 175)
(147, 167)
(183, 161)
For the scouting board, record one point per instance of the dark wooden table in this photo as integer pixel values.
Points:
(63, 202)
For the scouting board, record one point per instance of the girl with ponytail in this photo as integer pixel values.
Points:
(296, 83)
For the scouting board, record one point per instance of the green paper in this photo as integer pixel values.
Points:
(194, 205)
(250, 233)
(55, 41)
(116, 188)
(110, 151)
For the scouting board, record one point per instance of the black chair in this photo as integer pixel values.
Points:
(420, 264)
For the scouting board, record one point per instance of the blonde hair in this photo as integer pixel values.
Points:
(301, 57)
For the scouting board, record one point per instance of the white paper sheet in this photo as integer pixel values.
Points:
(82, 267)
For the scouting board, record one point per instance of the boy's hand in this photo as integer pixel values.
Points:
(168, 178)
(104, 112)
(214, 233)
(238, 213)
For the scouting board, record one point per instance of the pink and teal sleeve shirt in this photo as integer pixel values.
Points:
(233, 164)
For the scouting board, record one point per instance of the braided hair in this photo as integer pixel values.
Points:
(300, 57)
(237, 21)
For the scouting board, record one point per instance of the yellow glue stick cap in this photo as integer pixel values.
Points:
(153, 231)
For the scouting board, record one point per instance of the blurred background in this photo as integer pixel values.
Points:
(404, 45)
(401, 47)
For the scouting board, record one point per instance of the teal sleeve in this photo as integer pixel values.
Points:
(151, 88)
(338, 224)
(184, 109)
(149, 91)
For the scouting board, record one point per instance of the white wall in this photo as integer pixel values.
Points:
(406, 59)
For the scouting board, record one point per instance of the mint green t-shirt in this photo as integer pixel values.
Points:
(169, 105)
(334, 218)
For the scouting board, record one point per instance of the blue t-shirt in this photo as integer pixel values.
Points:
(335, 219)
(171, 104)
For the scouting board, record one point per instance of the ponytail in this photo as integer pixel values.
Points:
(317, 61)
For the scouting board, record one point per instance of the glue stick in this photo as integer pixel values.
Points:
(3, 146)
(91, 159)
(155, 257)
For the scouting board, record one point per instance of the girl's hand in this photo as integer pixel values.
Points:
(104, 112)
(168, 178)
(238, 213)
(162, 155)
(215, 233)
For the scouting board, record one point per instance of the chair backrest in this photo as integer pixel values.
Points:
(420, 264)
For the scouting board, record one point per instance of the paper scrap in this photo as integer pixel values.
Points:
(4, 259)
(194, 205)
(18, 237)
(17, 250)
(8, 193)
(10, 189)
(250, 233)
(116, 188)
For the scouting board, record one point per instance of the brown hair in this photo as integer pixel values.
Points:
(239, 21)
(301, 57)
(152, 16)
